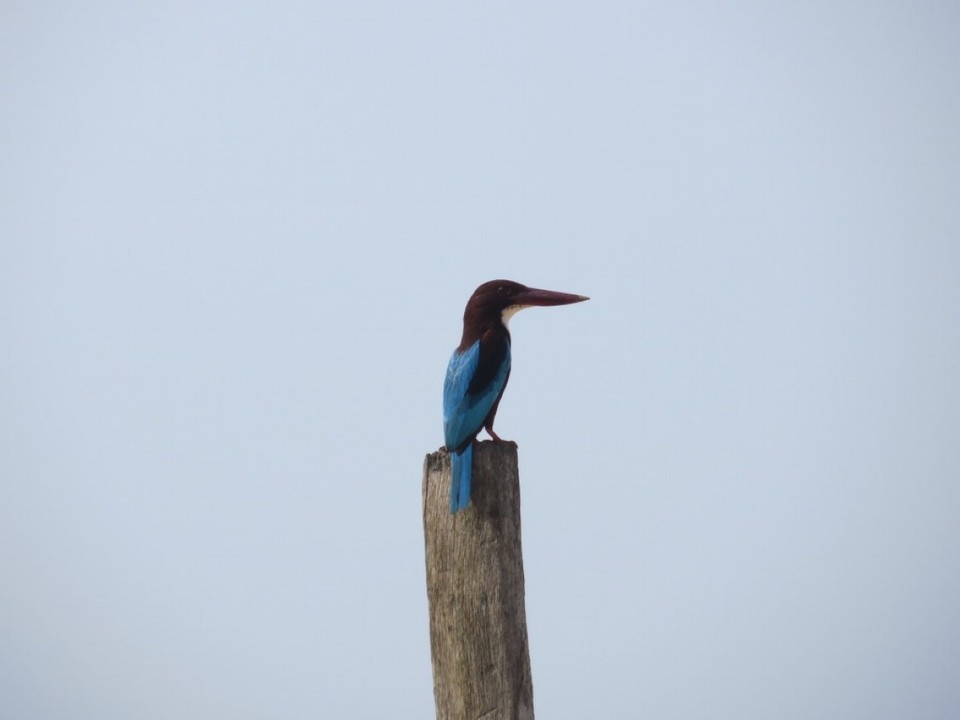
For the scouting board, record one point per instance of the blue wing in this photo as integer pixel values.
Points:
(463, 411)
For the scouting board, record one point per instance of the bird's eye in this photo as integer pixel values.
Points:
(501, 289)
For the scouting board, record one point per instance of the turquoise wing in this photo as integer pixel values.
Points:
(464, 410)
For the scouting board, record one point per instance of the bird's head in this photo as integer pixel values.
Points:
(502, 299)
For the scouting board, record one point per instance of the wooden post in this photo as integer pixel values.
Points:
(478, 625)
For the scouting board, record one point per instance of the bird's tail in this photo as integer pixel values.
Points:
(461, 472)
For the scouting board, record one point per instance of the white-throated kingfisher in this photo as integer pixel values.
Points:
(479, 370)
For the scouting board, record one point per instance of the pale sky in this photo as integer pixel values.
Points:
(236, 240)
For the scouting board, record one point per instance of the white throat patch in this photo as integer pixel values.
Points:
(509, 312)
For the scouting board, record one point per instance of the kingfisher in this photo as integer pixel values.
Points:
(479, 370)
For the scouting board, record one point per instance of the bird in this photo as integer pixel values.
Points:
(479, 370)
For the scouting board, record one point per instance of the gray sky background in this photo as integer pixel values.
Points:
(236, 240)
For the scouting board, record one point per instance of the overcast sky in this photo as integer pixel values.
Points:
(236, 240)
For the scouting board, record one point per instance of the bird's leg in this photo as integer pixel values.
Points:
(489, 428)
(488, 421)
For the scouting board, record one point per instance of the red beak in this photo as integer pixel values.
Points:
(545, 298)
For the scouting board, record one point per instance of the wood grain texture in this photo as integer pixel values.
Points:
(478, 624)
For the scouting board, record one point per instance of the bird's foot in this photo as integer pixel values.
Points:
(496, 438)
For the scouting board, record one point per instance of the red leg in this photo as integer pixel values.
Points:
(488, 423)
(489, 429)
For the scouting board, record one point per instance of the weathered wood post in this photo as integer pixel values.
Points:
(478, 625)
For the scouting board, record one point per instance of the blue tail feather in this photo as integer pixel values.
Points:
(461, 475)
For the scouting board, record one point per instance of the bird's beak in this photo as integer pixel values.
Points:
(544, 298)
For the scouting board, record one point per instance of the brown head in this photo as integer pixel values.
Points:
(496, 301)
